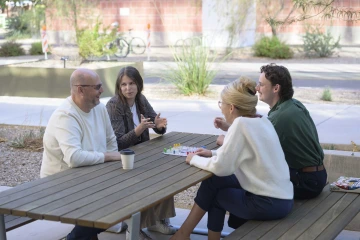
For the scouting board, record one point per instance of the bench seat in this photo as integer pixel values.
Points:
(12, 222)
(323, 217)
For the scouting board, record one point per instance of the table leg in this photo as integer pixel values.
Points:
(2, 227)
(134, 226)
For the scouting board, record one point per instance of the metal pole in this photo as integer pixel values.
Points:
(148, 42)
(2, 227)
(134, 226)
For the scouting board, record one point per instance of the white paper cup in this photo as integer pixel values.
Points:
(127, 158)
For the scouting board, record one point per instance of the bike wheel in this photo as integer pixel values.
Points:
(122, 48)
(137, 45)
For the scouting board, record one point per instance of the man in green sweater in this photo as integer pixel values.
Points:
(296, 130)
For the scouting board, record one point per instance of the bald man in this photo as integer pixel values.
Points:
(79, 133)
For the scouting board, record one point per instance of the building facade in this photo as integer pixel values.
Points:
(213, 20)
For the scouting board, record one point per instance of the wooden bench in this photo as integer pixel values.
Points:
(323, 217)
(12, 222)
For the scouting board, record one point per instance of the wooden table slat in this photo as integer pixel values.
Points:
(18, 222)
(340, 222)
(42, 181)
(82, 190)
(108, 195)
(88, 214)
(328, 216)
(10, 217)
(17, 199)
(295, 216)
(48, 208)
(183, 183)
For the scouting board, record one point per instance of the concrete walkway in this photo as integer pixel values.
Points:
(336, 124)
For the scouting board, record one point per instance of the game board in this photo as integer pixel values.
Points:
(179, 150)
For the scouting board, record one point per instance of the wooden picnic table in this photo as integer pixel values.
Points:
(105, 194)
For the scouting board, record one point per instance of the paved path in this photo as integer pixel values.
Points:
(336, 124)
(345, 76)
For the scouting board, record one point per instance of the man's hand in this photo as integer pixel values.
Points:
(160, 123)
(203, 152)
(220, 140)
(220, 122)
(112, 156)
(144, 124)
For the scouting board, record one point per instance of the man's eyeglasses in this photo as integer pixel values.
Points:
(96, 87)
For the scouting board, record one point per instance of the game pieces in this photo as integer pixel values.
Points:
(179, 150)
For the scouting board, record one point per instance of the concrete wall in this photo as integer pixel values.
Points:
(52, 82)
(215, 25)
(170, 20)
(292, 34)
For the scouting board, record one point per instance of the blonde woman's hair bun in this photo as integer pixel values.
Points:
(242, 94)
(248, 85)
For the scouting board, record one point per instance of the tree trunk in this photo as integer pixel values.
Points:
(273, 30)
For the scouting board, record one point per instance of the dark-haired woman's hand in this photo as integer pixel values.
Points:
(160, 123)
(144, 124)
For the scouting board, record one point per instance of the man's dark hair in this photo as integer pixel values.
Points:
(279, 75)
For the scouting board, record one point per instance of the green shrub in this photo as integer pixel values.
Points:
(326, 95)
(192, 73)
(18, 28)
(92, 43)
(319, 44)
(36, 49)
(272, 48)
(11, 48)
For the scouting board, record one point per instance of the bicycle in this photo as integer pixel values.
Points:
(136, 45)
(187, 42)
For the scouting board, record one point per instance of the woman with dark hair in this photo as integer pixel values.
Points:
(130, 112)
(131, 116)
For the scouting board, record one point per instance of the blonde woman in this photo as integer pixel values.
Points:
(251, 177)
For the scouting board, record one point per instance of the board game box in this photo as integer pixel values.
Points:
(179, 150)
(346, 184)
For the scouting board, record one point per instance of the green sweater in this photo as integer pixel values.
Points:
(297, 134)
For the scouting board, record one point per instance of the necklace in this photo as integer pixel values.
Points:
(133, 108)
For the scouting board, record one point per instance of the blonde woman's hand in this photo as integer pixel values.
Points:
(144, 124)
(160, 122)
(220, 122)
(189, 157)
(220, 140)
(203, 152)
